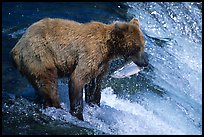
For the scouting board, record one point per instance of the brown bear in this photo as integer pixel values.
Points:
(51, 48)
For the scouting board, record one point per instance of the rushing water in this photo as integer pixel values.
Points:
(165, 98)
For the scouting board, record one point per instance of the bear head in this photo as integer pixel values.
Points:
(129, 40)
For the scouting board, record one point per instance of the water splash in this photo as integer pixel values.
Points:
(176, 62)
(119, 116)
(17, 33)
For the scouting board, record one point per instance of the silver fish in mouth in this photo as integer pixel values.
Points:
(127, 71)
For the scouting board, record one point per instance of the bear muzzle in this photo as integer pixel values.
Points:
(142, 61)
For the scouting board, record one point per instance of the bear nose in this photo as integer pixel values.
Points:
(143, 61)
(141, 64)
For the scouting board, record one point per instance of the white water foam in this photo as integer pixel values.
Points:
(177, 63)
(120, 116)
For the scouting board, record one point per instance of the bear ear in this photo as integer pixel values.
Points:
(121, 26)
(135, 21)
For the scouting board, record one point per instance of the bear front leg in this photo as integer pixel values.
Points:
(93, 89)
(93, 92)
(89, 91)
(76, 96)
(97, 92)
(99, 78)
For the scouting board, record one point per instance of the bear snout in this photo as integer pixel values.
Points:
(142, 61)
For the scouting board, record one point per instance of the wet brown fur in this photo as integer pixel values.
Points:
(51, 47)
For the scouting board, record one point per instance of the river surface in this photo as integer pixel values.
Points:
(165, 98)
